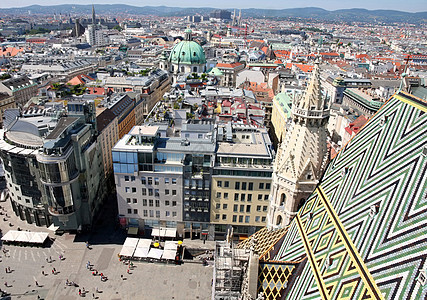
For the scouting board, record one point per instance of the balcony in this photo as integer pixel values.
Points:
(61, 211)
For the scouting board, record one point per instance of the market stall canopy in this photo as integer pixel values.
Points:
(127, 251)
(155, 253)
(141, 252)
(163, 232)
(131, 242)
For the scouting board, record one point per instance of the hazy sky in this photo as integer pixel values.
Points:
(408, 5)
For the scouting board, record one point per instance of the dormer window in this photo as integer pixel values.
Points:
(194, 53)
(183, 53)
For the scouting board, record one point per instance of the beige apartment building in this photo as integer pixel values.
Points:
(241, 179)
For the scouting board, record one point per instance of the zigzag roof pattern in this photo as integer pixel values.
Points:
(362, 233)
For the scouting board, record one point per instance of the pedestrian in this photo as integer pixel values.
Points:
(80, 292)
(121, 276)
(97, 290)
(5, 283)
(93, 295)
(37, 284)
(6, 270)
(127, 271)
(50, 258)
(54, 270)
(43, 273)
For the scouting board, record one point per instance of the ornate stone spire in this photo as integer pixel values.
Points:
(93, 15)
(302, 156)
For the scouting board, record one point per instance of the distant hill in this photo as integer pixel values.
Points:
(345, 15)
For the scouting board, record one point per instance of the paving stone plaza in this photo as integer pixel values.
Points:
(30, 266)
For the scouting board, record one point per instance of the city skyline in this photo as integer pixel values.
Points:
(331, 5)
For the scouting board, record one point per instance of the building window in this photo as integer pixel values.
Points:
(218, 194)
(251, 186)
(173, 180)
(225, 206)
(167, 213)
(261, 185)
(243, 197)
(234, 218)
(127, 200)
(247, 218)
(237, 185)
(174, 214)
(235, 207)
(157, 203)
(143, 180)
(249, 197)
(218, 206)
(129, 210)
(236, 197)
(225, 195)
(242, 208)
(264, 208)
(135, 200)
(157, 213)
(134, 190)
(144, 192)
(263, 219)
(132, 178)
(244, 186)
(150, 180)
(267, 186)
(127, 189)
(166, 180)
(226, 184)
(166, 192)
(167, 202)
(156, 193)
(173, 203)
(156, 181)
(217, 217)
(258, 208)
(150, 192)
(259, 196)
(173, 192)
(219, 183)
(151, 213)
(248, 208)
(257, 219)
(135, 211)
(224, 217)
(126, 178)
(144, 202)
(266, 197)
(240, 219)
(145, 213)
(151, 202)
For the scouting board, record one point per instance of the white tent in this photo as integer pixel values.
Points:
(144, 243)
(10, 236)
(155, 253)
(127, 251)
(171, 245)
(141, 252)
(130, 242)
(24, 237)
(38, 237)
(163, 232)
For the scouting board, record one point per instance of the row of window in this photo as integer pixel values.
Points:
(241, 218)
(243, 185)
(149, 180)
(150, 192)
(241, 208)
(151, 202)
(150, 213)
(242, 197)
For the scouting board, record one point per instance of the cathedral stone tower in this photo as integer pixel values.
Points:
(301, 157)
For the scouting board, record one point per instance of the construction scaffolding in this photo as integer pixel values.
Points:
(230, 266)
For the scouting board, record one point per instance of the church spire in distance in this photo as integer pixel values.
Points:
(93, 15)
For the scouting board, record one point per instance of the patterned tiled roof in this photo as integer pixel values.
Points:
(262, 240)
(363, 230)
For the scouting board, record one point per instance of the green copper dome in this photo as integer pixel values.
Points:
(187, 52)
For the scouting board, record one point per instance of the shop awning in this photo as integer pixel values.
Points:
(127, 251)
(133, 231)
(141, 252)
(163, 232)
